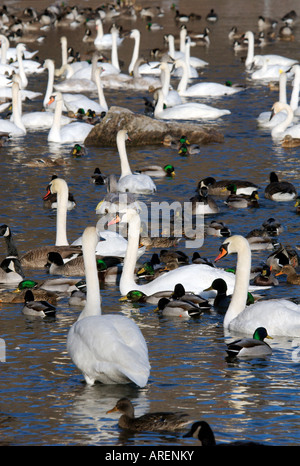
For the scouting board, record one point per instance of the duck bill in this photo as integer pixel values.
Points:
(113, 410)
(124, 298)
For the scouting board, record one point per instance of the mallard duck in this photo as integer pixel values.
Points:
(97, 177)
(169, 141)
(281, 256)
(177, 308)
(78, 150)
(220, 187)
(167, 256)
(222, 299)
(189, 149)
(215, 228)
(18, 295)
(280, 190)
(265, 277)
(251, 347)
(180, 294)
(241, 201)
(37, 308)
(157, 171)
(149, 268)
(202, 431)
(109, 268)
(289, 141)
(198, 259)
(272, 226)
(258, 238)
(157, 421)
(292, 277)
(137, 296)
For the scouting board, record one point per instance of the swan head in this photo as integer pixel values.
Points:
(232, 245)
(55, 186)
(123, 135)
(134, 34)
(124, 217)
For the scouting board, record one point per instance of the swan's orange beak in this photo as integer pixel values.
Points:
(114, 220)
(47, 195)
(51, 100)
(223, 253)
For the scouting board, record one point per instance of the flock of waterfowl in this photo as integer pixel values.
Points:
(111, 349)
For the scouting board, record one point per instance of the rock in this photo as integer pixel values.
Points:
(144, 130)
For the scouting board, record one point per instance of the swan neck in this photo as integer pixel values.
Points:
(182, 85)
(4, 48)
(166, 77)
(159, 105)
(64, 51)
(282, 88)
(101, 96)
(61, 215)
(171, 51)
(22, 74)
(50, 82)
(17, 107)
(240, 292)
(127, 282)
(250, 51)
(125, 167)
(183, 34)
(54, 133)
(114, 50)
(135, 53)
(93, 300)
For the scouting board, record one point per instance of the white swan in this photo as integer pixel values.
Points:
(191, 70)
(194, 277)
(82, 101)
(128, 181)
(270, 72)
(187, 111)
(10, 53)
(256, 60)
(202, 89)
(104, 41)
(67, 97)
(33, 120)
(280, 316)
(106, 348)
(37, 257)
(152, 67)
(177, 54)
(73, 132)
(15, 127)
(171, 96)
(264, 118)
(283, 128)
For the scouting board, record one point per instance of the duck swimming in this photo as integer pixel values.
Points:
(157, 421)
(251, 347)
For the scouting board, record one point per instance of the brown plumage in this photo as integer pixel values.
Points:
(292, 277)
(157, 421)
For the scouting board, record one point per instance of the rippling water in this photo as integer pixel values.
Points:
(44, 401)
